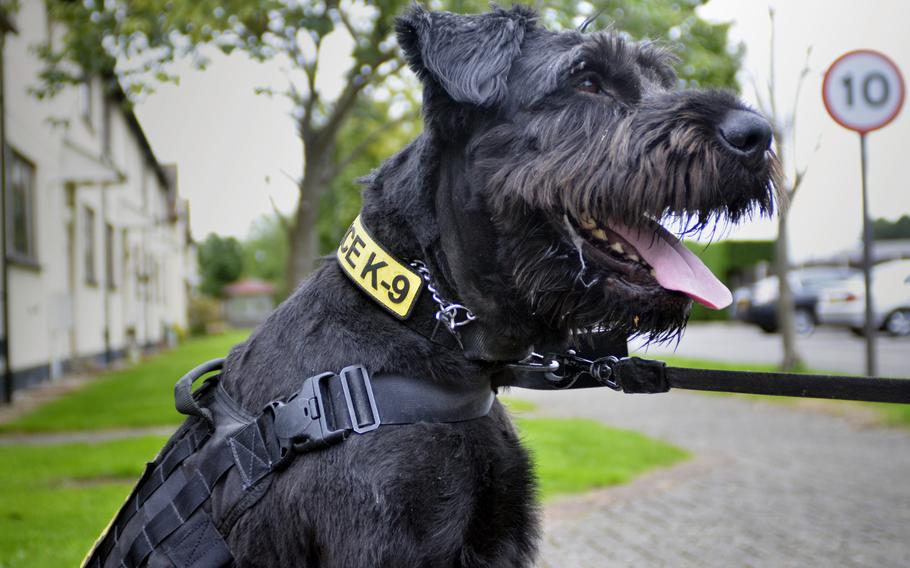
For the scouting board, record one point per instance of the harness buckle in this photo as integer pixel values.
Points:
(302, 423)
(355, 380)
(318, 416)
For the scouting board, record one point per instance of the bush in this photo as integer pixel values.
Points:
(204, 314)
(732, 262)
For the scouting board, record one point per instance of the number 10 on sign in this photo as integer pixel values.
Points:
(863, 91)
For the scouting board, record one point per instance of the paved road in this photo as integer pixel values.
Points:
(768, 486)
(826, 349)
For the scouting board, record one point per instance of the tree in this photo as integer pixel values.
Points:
(706, 61)
(883, 229)
(132, 40)
(220, 263)
(342, 202)
(783, 127)
(265, 250)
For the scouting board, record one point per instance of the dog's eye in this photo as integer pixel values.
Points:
(590, 85)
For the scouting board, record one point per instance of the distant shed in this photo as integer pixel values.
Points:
(248, 302)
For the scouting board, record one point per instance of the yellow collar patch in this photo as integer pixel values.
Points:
(395, 286)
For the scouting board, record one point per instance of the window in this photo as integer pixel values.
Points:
(89, 218)
(109, 256)
(85, 100)
(106, 125)
(20, 207)
(125, 248)
(139, 262)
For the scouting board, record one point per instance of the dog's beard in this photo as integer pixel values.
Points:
(571, 292)
(589, 179)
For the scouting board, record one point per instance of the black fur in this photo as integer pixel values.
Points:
(513, 151)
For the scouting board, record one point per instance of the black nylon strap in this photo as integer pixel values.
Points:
(635, 375)
(871, 389)
(402, 399)
(195, 492)
(329, 407)
(252, 451)
(197, 544)
(154, 477)
(182, 450)
(405, 400)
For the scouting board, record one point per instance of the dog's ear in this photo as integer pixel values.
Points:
(469, 57)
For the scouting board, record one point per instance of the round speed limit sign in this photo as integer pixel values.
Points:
(863, 90)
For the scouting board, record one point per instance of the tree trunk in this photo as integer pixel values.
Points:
(785, 303)
(304, 237)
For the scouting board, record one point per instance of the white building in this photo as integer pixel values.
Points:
(98, 250)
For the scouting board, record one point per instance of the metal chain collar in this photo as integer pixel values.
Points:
(449, 313)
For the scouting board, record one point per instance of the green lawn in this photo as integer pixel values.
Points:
(893, 414)
(55, 500)
(576, 455)
(135, 397)
(517, 406)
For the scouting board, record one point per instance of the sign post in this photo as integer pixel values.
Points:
(863, 90)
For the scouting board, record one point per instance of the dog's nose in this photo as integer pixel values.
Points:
(745, 132)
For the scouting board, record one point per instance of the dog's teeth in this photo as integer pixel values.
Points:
(599, 234)
(617, 247)
(588, 223)
(634, 257)
(653, 273)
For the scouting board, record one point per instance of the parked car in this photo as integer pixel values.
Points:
(845, 305)
(758, 303)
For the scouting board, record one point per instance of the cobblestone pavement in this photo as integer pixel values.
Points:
(768, 486)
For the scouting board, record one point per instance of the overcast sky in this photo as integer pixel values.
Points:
(238, 152)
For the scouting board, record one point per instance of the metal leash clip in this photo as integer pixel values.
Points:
(564, 369)
(573, 366)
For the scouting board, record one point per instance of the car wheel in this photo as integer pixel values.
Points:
(898, 323)
(803, 322)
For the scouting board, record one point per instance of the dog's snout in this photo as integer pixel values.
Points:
(745, 132)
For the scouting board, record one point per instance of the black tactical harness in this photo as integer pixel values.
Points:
(222, 460)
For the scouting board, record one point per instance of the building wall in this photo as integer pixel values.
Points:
(88, 154)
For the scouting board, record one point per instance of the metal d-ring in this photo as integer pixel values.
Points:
(536, 363)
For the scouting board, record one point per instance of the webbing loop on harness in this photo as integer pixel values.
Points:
(183, 391)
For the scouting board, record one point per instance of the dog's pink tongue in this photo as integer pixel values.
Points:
(676, 267)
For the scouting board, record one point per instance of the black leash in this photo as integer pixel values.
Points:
(636, 375)
(397, 286)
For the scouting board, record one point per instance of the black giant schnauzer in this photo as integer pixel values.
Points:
(532, 198)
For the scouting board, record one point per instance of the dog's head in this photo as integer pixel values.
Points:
(555, 156)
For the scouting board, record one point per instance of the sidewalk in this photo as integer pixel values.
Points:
(768, 486)
(24, 401)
